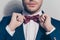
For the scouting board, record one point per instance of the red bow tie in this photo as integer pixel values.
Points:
(34, 18)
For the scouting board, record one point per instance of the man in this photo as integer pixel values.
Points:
(31, 24)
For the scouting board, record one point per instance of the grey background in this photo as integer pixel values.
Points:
(51, 7)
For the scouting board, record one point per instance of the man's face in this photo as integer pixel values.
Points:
(32, 6)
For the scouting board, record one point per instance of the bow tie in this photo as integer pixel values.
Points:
(34, 18)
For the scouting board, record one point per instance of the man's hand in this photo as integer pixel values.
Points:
(45, 22)
(16, 20)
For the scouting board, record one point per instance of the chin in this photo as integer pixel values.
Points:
(32, 11)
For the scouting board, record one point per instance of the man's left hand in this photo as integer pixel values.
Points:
(45, 22)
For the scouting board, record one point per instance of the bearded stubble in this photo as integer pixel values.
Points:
(30, 11)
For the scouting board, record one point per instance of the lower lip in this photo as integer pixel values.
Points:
(32, 5)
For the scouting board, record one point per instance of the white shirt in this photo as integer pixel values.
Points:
(30, 29)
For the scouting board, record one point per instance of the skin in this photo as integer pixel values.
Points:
(31, 6)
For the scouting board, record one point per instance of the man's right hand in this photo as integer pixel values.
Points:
(16, 20)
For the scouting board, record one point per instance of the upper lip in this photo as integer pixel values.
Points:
(31, 3)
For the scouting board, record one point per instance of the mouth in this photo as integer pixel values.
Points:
(32, 4)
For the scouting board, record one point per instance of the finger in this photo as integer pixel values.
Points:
(13, 16)
(47, 17)
(24, 17)
(19, 18)
(20, 15)
(43, 16)
(41, 19)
